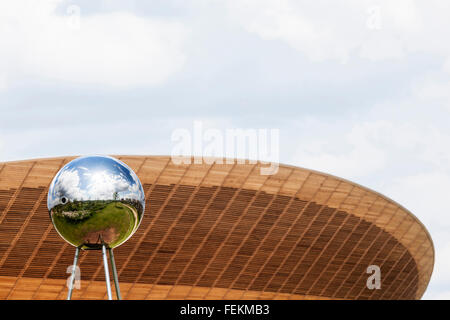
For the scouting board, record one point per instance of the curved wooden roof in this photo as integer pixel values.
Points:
(213, 231)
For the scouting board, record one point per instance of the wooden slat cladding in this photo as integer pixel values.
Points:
(305, 242)
(14, 218)
(221, 231)
(31, 234)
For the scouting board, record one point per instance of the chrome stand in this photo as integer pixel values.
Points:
(72, 277)
(114, 271)
(105, 265)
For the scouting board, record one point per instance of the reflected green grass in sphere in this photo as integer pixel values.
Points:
(96, 200)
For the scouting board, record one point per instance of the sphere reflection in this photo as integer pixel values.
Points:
(96, 200)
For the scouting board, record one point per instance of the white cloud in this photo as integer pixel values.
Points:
(103, 184)
(381, 45)
(348, 152)
(3, 82)
(337, 29)
(117, 48)
(303, 26)
(97, 185)
(447, 65)
(357, 148)
(68, 184)
(436, 91)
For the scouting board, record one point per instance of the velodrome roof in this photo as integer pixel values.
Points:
(220, 231)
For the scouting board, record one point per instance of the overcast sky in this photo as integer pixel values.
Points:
(359, 89)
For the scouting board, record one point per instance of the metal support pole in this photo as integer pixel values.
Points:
(114, 271)
(72, 277)
(105, 264)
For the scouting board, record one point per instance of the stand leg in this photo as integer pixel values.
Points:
(114, 271)
(72, 277)
(105, 264)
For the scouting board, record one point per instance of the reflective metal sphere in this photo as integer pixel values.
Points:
(96, 200)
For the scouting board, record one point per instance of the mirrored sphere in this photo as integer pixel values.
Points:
(96, 200)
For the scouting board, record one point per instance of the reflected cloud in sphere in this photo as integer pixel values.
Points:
(94, 200)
